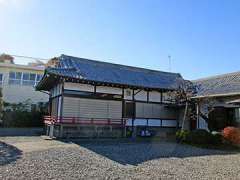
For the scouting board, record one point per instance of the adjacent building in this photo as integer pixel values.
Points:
(18, 81)
(218, 99)
(90, 98)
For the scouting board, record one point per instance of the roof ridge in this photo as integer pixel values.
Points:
(116, 64)
(216, 76)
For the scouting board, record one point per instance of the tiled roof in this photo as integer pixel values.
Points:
(91, 70)
(219, 85)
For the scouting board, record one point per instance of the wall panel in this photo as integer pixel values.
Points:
(92, 108)
(78, 87)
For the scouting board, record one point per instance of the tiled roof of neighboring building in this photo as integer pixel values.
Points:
(91, 70)
(226, 84)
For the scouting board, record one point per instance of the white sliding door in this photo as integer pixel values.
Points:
(91, 108)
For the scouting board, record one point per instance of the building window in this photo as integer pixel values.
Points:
(28, 79)
(15, 77)
(25, 79)
(129, 109)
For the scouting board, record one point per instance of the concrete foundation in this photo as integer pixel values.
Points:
(87, 131)
(157, 131)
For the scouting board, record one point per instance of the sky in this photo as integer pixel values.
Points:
(202, 37)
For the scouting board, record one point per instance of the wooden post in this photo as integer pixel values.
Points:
(197, 109)
(47, 130)
(51, 130)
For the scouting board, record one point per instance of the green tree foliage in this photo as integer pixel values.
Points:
(24, 114)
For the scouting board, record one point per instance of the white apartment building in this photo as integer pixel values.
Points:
(18, 81)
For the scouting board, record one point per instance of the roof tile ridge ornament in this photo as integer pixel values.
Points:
(49, 69)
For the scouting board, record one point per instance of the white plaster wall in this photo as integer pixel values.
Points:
(109, 90)
(154, 96)
(153, 110)
(141, 96)
(78, 87)
(166, 97)
(128, 94)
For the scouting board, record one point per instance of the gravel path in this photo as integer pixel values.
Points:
(108, 160)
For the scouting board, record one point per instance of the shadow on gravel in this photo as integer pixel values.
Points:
(8, 153)
(136, 153)
(21, 132)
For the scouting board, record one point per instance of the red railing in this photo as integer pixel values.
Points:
(85, 121)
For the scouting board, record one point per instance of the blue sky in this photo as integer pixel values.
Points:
(202, 37)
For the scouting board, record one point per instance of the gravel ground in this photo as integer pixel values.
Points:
(110, 160)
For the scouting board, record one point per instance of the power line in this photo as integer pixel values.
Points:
(28, 57)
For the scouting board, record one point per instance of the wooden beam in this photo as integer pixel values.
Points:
(147, 95)
(137, 92)
(161, 99)
(95, 89)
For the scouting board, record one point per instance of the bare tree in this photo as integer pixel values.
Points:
(183, 97)
(209, 105)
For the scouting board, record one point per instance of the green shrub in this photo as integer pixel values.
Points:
(201, 136)
(20, 115)
(181, 135)
(23, 119)
(217, 139)
(128, 133)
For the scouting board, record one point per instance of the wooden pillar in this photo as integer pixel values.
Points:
(47, 130)
(161, 97)
(147, 95)
(198, 110)
(51, 131)
(125, 131)
(123, 113)
(133, 114)
(61, 131)
(50, 106)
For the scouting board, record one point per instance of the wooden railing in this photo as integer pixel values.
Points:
(84, 121)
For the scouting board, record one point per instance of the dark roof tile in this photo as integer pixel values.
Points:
(92, 70)
(216, 85)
